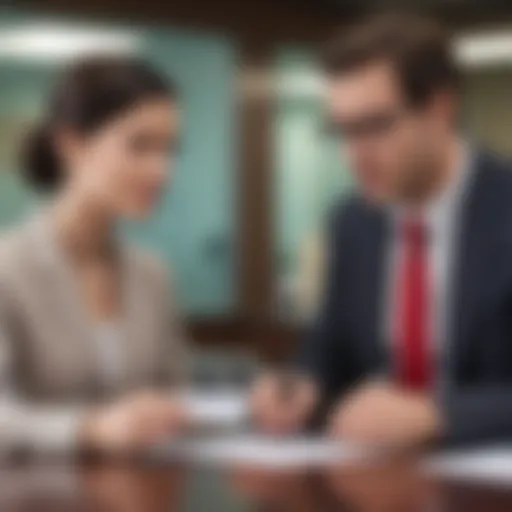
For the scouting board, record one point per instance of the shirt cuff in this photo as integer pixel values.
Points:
(42, 430)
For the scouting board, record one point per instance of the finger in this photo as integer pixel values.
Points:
(273, 421)
(177, 418)
(335, 428)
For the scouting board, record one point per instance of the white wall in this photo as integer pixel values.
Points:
(488, 108)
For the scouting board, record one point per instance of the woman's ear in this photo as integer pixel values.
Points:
(69, 146)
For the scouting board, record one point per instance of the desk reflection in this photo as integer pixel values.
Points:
(109, 488)
(382, 487)
(283, 491)
(128, 489)
(387, 486)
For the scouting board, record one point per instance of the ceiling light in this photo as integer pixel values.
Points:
(484, 49)
(57, 42)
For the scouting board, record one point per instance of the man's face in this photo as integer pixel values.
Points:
(390, 146)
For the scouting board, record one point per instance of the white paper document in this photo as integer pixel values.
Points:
(268, 452)
(491, 466)
(217, 408)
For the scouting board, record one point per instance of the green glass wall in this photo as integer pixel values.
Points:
(309, 170)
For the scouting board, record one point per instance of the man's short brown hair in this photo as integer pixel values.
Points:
(417, 47)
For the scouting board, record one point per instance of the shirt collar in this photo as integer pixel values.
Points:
(442, 208)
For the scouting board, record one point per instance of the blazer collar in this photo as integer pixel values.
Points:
(472, 256)
(63, 291)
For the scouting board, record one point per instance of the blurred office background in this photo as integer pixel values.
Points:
(242, 224)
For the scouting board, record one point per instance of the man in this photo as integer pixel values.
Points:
(414, 342)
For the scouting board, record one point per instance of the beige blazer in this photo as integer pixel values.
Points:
(47, 350)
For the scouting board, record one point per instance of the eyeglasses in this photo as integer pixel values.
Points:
(372, 126)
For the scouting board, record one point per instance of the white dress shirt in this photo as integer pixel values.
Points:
(442, 221)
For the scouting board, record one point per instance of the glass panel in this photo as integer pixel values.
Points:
(310, 175)
(194, 227)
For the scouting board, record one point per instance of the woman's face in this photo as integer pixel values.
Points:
(125, 164)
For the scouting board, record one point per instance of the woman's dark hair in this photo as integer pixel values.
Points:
(90, 93)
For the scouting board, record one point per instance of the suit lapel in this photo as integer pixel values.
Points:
(373, 268)
(131, 319)
(70, 325)
(138, 320)
(471, 252)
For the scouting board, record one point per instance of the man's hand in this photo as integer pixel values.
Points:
(280, 411)
(380, 414)
(135, 423)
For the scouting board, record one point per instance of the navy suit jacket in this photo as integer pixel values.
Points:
(346, 346)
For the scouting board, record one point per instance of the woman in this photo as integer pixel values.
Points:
(86, 322)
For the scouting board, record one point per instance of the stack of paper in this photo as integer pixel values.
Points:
(264, 452)
(489, 466)
(217, 408)
(221, 408)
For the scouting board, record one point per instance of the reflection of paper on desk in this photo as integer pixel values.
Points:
(217, 408)
(270, 452)
(492, 466)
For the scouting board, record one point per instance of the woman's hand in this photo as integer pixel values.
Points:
(132, 424)
(282, 411)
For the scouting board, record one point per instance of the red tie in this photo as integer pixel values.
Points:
(414, 364)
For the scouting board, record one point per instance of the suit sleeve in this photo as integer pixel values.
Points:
(325, 354)
(23, 424)
(477, 413)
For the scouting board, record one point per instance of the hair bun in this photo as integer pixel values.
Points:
(40, 163)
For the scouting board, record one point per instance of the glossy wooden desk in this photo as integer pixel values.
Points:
(387, 487)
